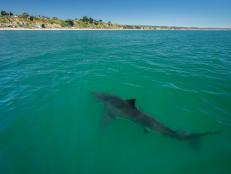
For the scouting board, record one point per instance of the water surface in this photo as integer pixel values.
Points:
(49, 123)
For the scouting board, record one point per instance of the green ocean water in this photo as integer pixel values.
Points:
(49, 122)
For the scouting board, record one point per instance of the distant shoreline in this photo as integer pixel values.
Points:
(107, 29)
(25, 21)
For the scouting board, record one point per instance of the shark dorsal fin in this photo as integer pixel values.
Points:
(131, 101)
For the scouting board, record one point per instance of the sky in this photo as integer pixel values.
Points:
(197, 13)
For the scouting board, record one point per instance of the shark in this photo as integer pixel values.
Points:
(118, 107)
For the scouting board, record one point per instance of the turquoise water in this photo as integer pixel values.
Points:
(49, 122)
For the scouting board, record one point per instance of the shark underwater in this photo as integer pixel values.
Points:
(127, 109)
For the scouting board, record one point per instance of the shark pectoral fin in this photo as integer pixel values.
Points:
(112, 116)
(131, 101)
(107, 118)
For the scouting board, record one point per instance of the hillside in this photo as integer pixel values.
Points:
(25, 20)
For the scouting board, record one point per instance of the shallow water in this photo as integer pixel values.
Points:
(49, 122)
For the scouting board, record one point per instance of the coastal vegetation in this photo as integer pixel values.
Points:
(26, 20)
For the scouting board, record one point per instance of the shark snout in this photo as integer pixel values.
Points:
(101, 96)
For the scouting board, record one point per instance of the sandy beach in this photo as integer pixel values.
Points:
(63, 29)
(101, 29)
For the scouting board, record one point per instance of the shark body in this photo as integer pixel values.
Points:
(128, 110)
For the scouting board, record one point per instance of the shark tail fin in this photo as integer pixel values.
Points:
(195, 139)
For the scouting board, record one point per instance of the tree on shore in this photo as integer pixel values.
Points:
(70, 22)
(91, 20)
(109, 23)
(31, 18)
(87, 19)
(84, 19)
(4, 13)
(25, 15)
